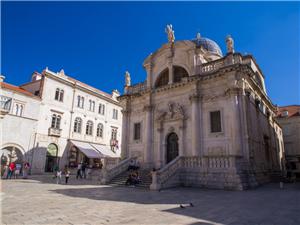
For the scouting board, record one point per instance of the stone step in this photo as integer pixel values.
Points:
(120, 180)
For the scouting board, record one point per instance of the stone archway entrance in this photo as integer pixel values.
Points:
(10, 154)
(172, 147)
(51, 157)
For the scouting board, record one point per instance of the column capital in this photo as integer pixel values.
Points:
(125, 112)
(148, 108)
(195, 97)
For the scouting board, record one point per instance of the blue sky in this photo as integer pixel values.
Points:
(96, 42)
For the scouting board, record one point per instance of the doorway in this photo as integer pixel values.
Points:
(172, 147)
(51, 158)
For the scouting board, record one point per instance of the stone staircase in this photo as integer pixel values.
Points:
(145, 176)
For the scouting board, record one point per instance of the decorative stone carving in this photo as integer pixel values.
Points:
(229, 44)
(171, 129)
(170, 32)
(174, 112)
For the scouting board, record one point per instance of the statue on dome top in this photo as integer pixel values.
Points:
(127, 79)
(169, 30)
(229, 44)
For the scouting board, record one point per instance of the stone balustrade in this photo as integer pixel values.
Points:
(108, 174)
(137, 88)
(201, 164)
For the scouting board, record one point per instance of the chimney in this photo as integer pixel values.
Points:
(2, 78)
(115, 94)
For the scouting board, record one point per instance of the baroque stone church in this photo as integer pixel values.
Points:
(201, 118)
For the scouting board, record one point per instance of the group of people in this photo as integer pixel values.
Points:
(133, 177)
(58, 174)
(83, 170)
(15, 169)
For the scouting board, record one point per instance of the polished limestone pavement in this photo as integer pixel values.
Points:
(39, 200)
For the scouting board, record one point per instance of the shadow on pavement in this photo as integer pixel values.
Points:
(263, 205)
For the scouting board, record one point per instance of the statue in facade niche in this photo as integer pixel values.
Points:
(169, 30)
(127, 79)
(229, 44)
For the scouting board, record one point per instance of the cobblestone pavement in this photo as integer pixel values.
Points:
(40, 200)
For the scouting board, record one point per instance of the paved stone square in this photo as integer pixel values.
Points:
(40, 200)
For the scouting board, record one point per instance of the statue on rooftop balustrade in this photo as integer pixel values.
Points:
(127, 79)
(229, 44)
(169, 30)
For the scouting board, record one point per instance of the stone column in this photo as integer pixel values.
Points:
(148, 157)
(125, 134)
(148, 68)
(170, 67)
(195, 124)
(182, 138)
(160, 155)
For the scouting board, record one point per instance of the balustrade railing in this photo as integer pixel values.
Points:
(137, 88)
(108, 174)
(160, 177)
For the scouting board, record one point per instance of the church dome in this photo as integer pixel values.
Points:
(208, 45)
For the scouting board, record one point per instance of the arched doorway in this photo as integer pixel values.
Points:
(172, 146)
(10, 154)
(51, 157)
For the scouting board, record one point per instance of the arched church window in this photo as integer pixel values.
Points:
(179, 73)
(163, 78)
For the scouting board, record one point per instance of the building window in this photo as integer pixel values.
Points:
(137, 131)
(55, 122)
(179, 73)
(92, 106)
(59, 95)
(101, 109)
(215, 122)
(89, 128)
(18, 110)
(77, 125)
(100, 130)
(163, 78)
(80, 101)
(115, 114)
(114, 133)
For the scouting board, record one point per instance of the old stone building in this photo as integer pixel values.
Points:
(289, 119)
(201, 118)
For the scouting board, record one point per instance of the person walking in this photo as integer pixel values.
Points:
(25, 170)
(12, 167)
(58, 177)
(67, 174)
(79, 171)
(18, 170)
(83, 167)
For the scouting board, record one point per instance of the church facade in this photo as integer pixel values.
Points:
(201, 118)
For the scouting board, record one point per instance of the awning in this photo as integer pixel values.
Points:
(105, 150)
(87, 149)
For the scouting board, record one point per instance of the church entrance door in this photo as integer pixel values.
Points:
(172, 147)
